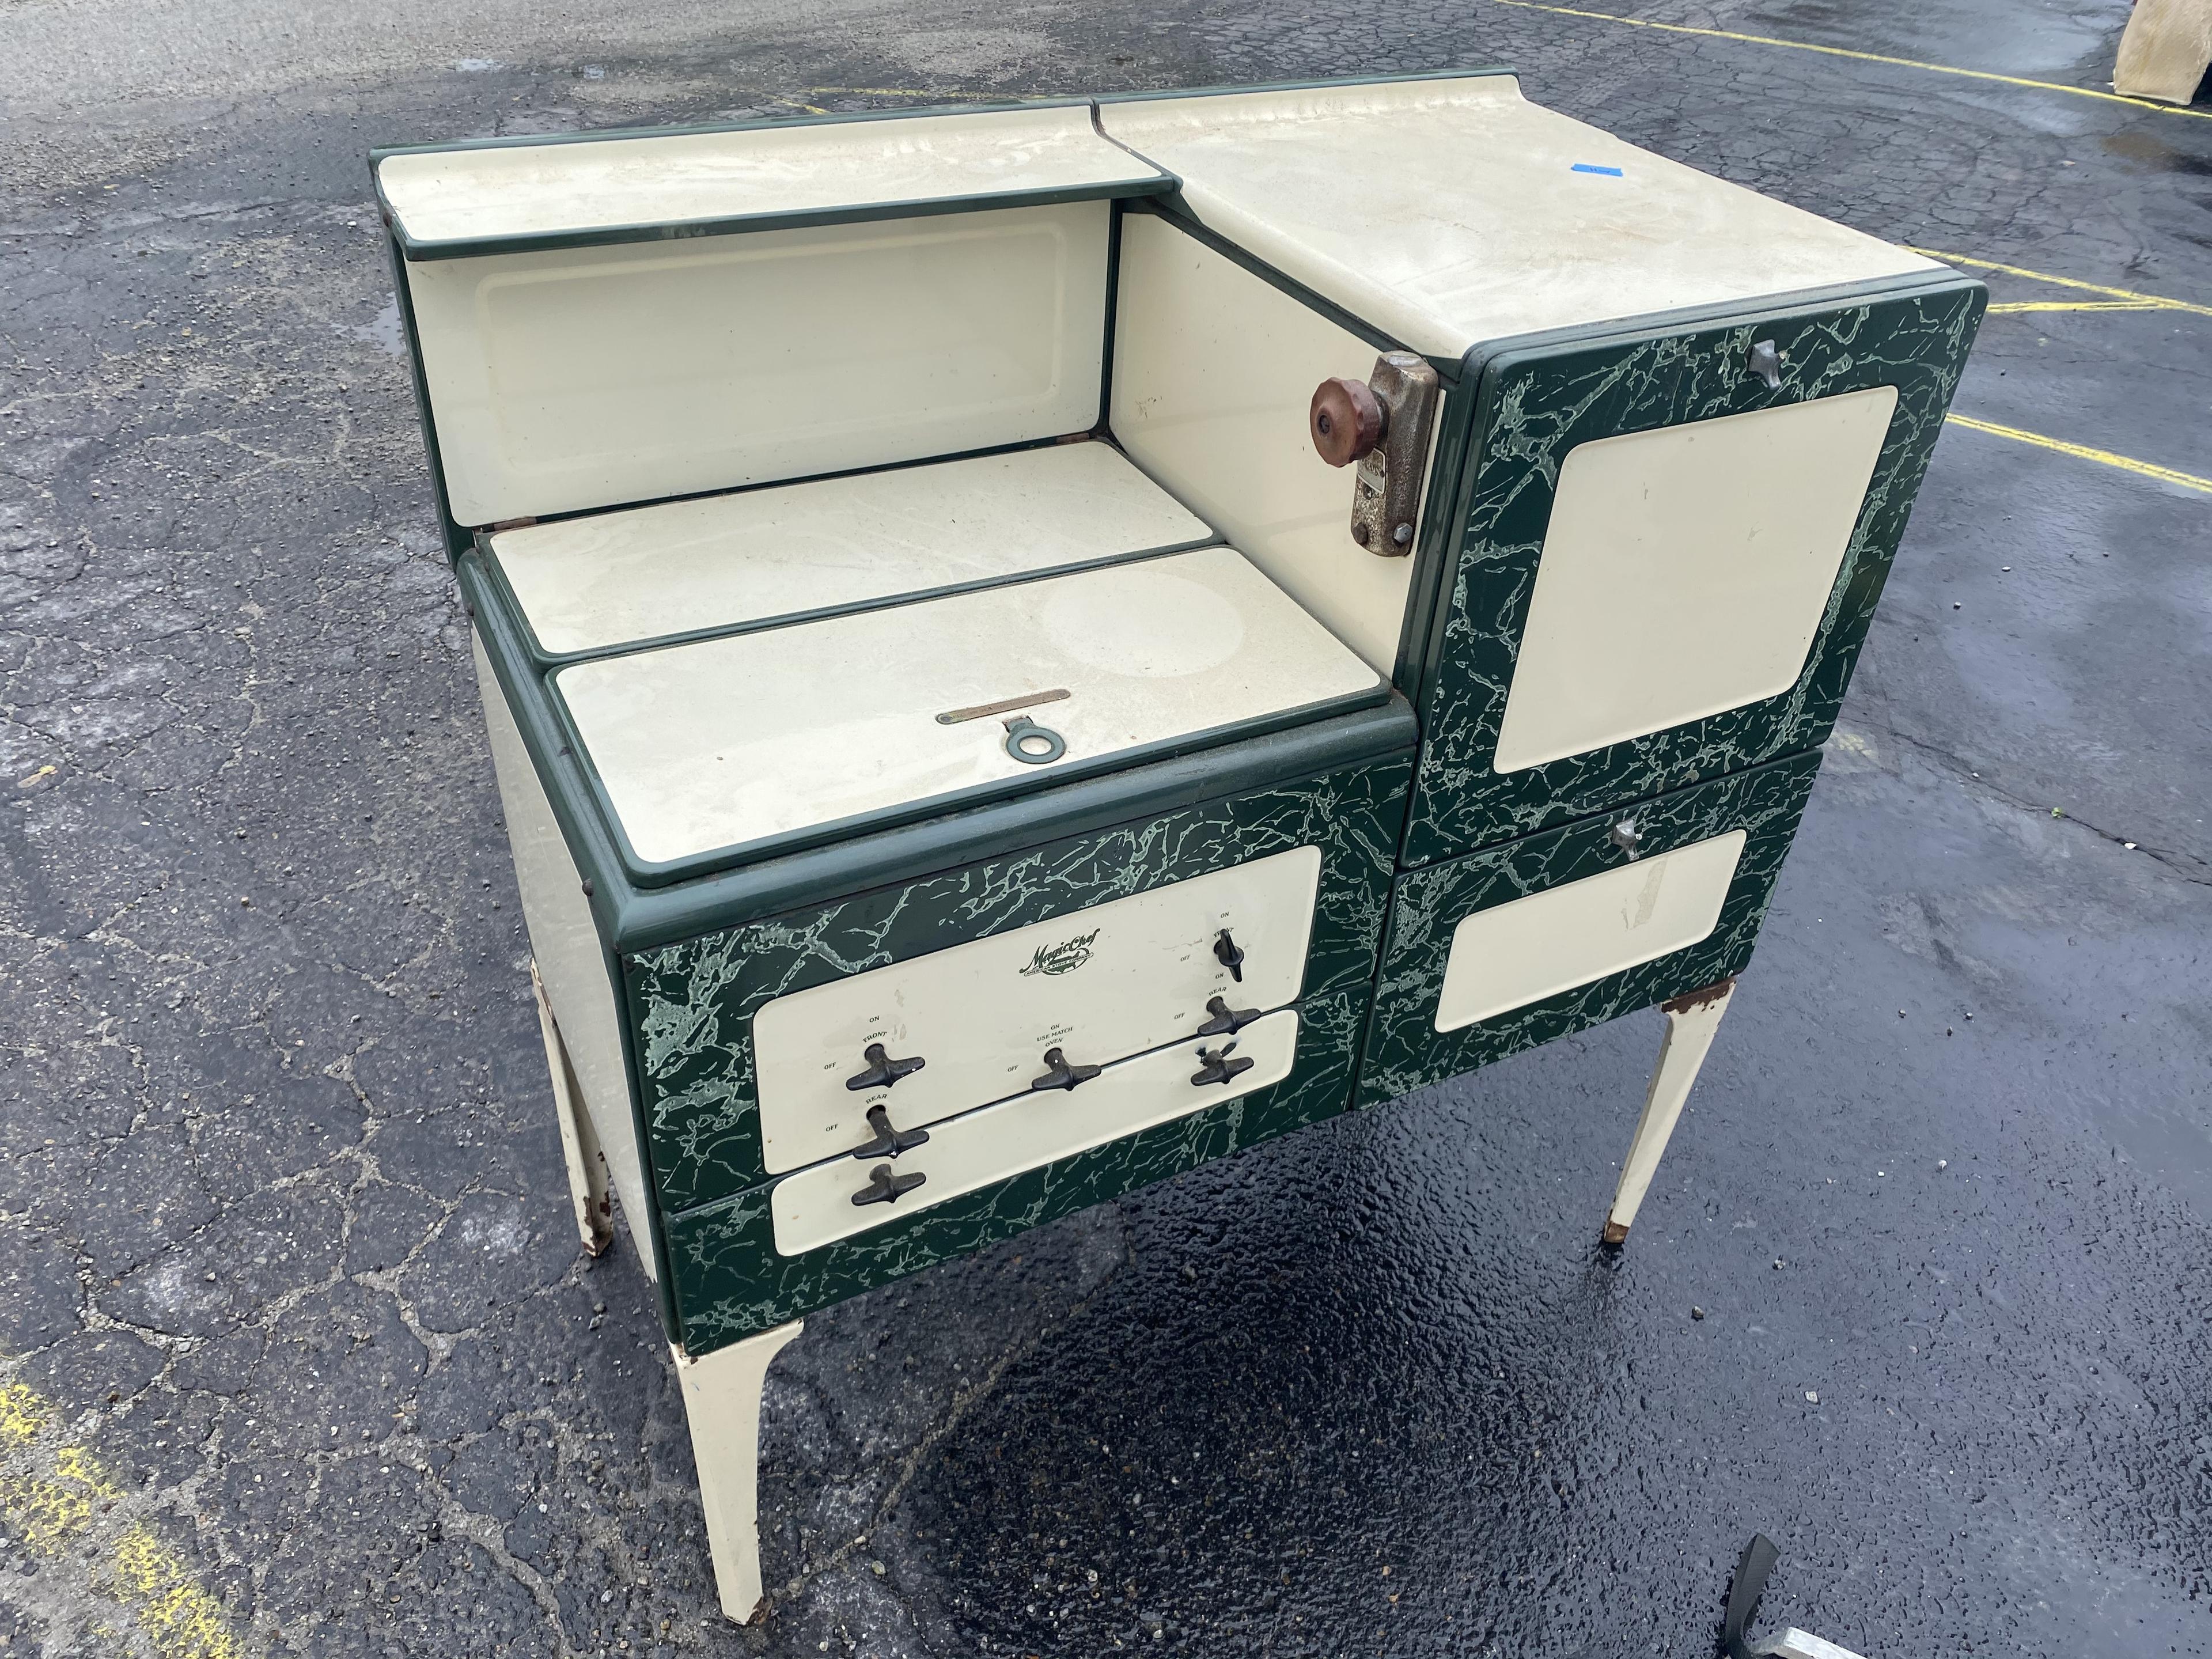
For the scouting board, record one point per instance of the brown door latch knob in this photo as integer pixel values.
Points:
(1382, 423)
(1348, 420)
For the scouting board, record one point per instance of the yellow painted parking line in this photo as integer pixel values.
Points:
(2083, 453)
(2013, 306)
(181, 1619)
(58, 1502)
(1861, 57)
(2144, 301)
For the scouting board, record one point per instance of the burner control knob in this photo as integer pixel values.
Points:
(1216, 1064)
(1226, 953)
(1226, 1021)
(882, 1071)
(884, 1187)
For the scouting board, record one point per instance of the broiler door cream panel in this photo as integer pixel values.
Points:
(1097, 984)
(849, 1195)
(1510, 955)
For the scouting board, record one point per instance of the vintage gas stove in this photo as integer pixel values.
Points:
(1026, 650)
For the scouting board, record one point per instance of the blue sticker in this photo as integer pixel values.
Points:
(1584, 167)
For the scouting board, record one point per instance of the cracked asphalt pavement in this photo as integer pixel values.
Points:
(297, 1352)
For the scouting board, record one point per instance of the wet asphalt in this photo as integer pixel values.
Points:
(1922, 1289)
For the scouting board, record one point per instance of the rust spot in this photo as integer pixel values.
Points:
(1683, 1005)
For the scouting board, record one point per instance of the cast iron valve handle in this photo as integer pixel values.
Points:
(889, 1142)
(882, 1071)
(1382, 423)
(884, 1187)
(1216, 1066)
(1348, 420)
(1059, 1074)
(1226, 1021)
(1226, 953)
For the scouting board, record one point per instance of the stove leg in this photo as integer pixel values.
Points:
(721, 1398)
(587, 1165)
(1691, 1022)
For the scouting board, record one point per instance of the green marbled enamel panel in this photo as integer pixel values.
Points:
(1406, 1051)
(1536, 406)
(693, 1002)
(730, 1282)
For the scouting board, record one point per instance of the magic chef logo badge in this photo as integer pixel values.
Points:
(1064, 957)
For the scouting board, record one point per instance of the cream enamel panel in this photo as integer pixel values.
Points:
(1685, 571)
(1448, 212)
(789, 168)
(610, 578)
(565, 942)
(1106, 981)
(1214, 371)
(815, 1207)
(725, 741)
(589, 377)
(1526, 949)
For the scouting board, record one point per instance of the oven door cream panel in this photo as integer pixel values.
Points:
(1685, 571)
(815, 1207)
(1103, 982)
(590, 377)
(1521, 952)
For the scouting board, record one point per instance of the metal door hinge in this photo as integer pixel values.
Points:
(1383, 424)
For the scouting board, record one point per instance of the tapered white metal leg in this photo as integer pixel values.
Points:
(587, 1165)
(1691, 1022)
(721, 1398)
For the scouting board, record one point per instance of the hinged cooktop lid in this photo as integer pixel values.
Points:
(1447, 212)
(758, 743)
(503, 197)
(738, 561)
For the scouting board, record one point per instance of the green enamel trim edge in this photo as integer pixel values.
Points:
(1536, 403)
(697, 997)
(456, 538)
(633, 919)
(656, 1224)
(794, 119)
(1405, 1051)
(549, 659)
(929, 207)
(1103, 427)
(1440, 522)
(731, 1283)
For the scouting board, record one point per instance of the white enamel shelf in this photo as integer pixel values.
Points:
(729, 741)
(727, 561)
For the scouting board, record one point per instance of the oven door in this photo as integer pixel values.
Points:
(1549, 934)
